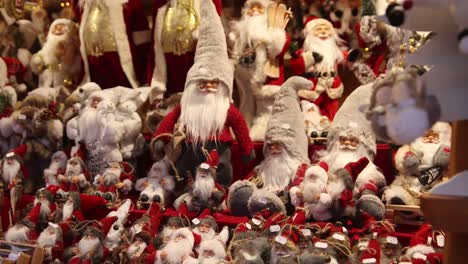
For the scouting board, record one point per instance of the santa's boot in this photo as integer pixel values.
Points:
(370, 203)
(144, 198)
(238, 198)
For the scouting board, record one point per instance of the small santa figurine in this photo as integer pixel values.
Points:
(25, 230)
(57, 166)
(206, 115)
(259, 41)
(176, 30)
(118, 176)
(90, 248)
(14, 176)
(114, 38)
(58, 63)
(316, 124)
(207, 228)
(71, 209)
(45, 198)
(75, 177)
(51, 240)
(285, 150)
(345, 16)
(140, 250)
(177, 219)
(318, 61)
(8, 99)
(205, 191)
(209, 251)
(158, 185)
(426, 246)
(178, 248)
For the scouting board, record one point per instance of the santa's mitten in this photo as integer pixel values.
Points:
(346, 177)
(370, 204)
(354, 55)
(442, 156)
(411, 161)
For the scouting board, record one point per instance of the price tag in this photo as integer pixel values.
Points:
(306, 232)
(419, 255)
(345, 230)
(322, 245)
(10, 154)
(339, 237)
(204, 166)
(22, 117)
(363, 244)
(248, 226)
(429, 240)
(275, 228)
(374, 234)
(369, 260)
(256, 221)
(392, 240)
(440, 241)
(195, 221)
(281, 239)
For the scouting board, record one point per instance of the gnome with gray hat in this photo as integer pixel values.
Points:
(206, 115)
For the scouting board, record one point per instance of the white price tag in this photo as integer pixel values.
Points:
(374, 234)
(339, 237)
(345, 230)
(22, 117)
(256, 221)
(419, 255)
(248, 226)
(440, 241)
(306, 232)
(195, 221)
(281, 239)
(369, 260)
(429, 240)
(275, 228)
(392, 240)
(322, 245)
(363, 244)
(10, 154)
(204, 166)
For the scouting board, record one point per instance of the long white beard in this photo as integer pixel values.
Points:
(277, 171)
(17, 234)
(338, 158)
(67, 211)
(9, 172)
(203, 115)
(136, 249)
(329, 49)
(251, 29)
(50, 47)
(177, 250)
(205, 236)
(86, 245)
(89, 125)
(203, 187)
(428, 149)
(45, 209)
(45, 239)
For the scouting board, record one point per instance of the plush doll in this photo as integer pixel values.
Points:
(8, 99)
(178, 248)
(24, 230)
(316, 124)
(259, 43)
(51, 239)
(116, 179)
(114, 40)
(318, 61)
(173, 50)
(75, 177)
(157, 186)
(206, 115)
(57, 166)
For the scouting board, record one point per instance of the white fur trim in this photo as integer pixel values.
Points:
(24, 56)
(115, 8)
(159, 78)
(370, 174)
(423, 249)
(3, 73)
(313, 23)
(396, 190)
(318, 171)
(141, 37)
(293, 194)
(335, 93)
(224, 235)
(127, 185)
(216, 245)
(264, 3)
(12, 93)
(185, 232)
(277, 40)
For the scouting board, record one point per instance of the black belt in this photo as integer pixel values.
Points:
(319, 74)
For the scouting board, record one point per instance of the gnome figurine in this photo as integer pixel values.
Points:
(206, 115)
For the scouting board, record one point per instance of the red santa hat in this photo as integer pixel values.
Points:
(179, 217)
(206, 218)
(371, 252)
(18, 154)
(33, 215)
(312, 22)
(211, 161)
(356, 167)
(425, 241)
(298, 218)
(318, 170)
(10, 67)
(101, 229)
(155, 214)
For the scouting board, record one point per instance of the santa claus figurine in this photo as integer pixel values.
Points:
(205, 114)
(118, 176)
(75, 177)
(14, 175)
(421, 165)
(71, 209)
(90, 248)
(11, 71)
(316, 124)
(58, 62)
(8, 99)
(114, 38)
(207, 228)
(25, 230)
(285, 150)
(318, 61)
(178, 248)
(157, 186)
(58, 165)
(51, 240)
(205, 191)
(345, 16)
(176, 29)
(140, 250)
(48, 206)
(209, 251)
(259, 42)
(177, 219)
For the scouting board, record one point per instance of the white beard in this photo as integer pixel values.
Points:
(9, 172)
(73, 170)
(136, 250)
(87, 245)
(45, 209)
(177, 250)
(338, 158)
(50, 46)
(45, 239)
(428, 149)
(277, 171)
(203, 115)
(310, 189)
(203, 187)
(251, 29)
(67, 211)
(89, 125)
(56, 165)
(329, 49)
(110, 179)
(205, 236)
(17, 234)
(166, 233)
(211, 260)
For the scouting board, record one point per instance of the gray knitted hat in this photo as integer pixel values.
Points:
(211, 57)
(286, 124)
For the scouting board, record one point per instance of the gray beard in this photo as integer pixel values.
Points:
(203, 187)
(278, 171)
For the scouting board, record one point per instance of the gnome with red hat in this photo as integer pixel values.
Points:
(90, 248)
(75, 177)
(207, 228)
(71, 209)
(119, 176)
(51, 239)
(318, 61)
(48, 206)
(205, 191)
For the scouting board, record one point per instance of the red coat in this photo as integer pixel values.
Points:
(328, 100)
(377, 60)
(126, 67)
(234, 121)
(176, 66)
